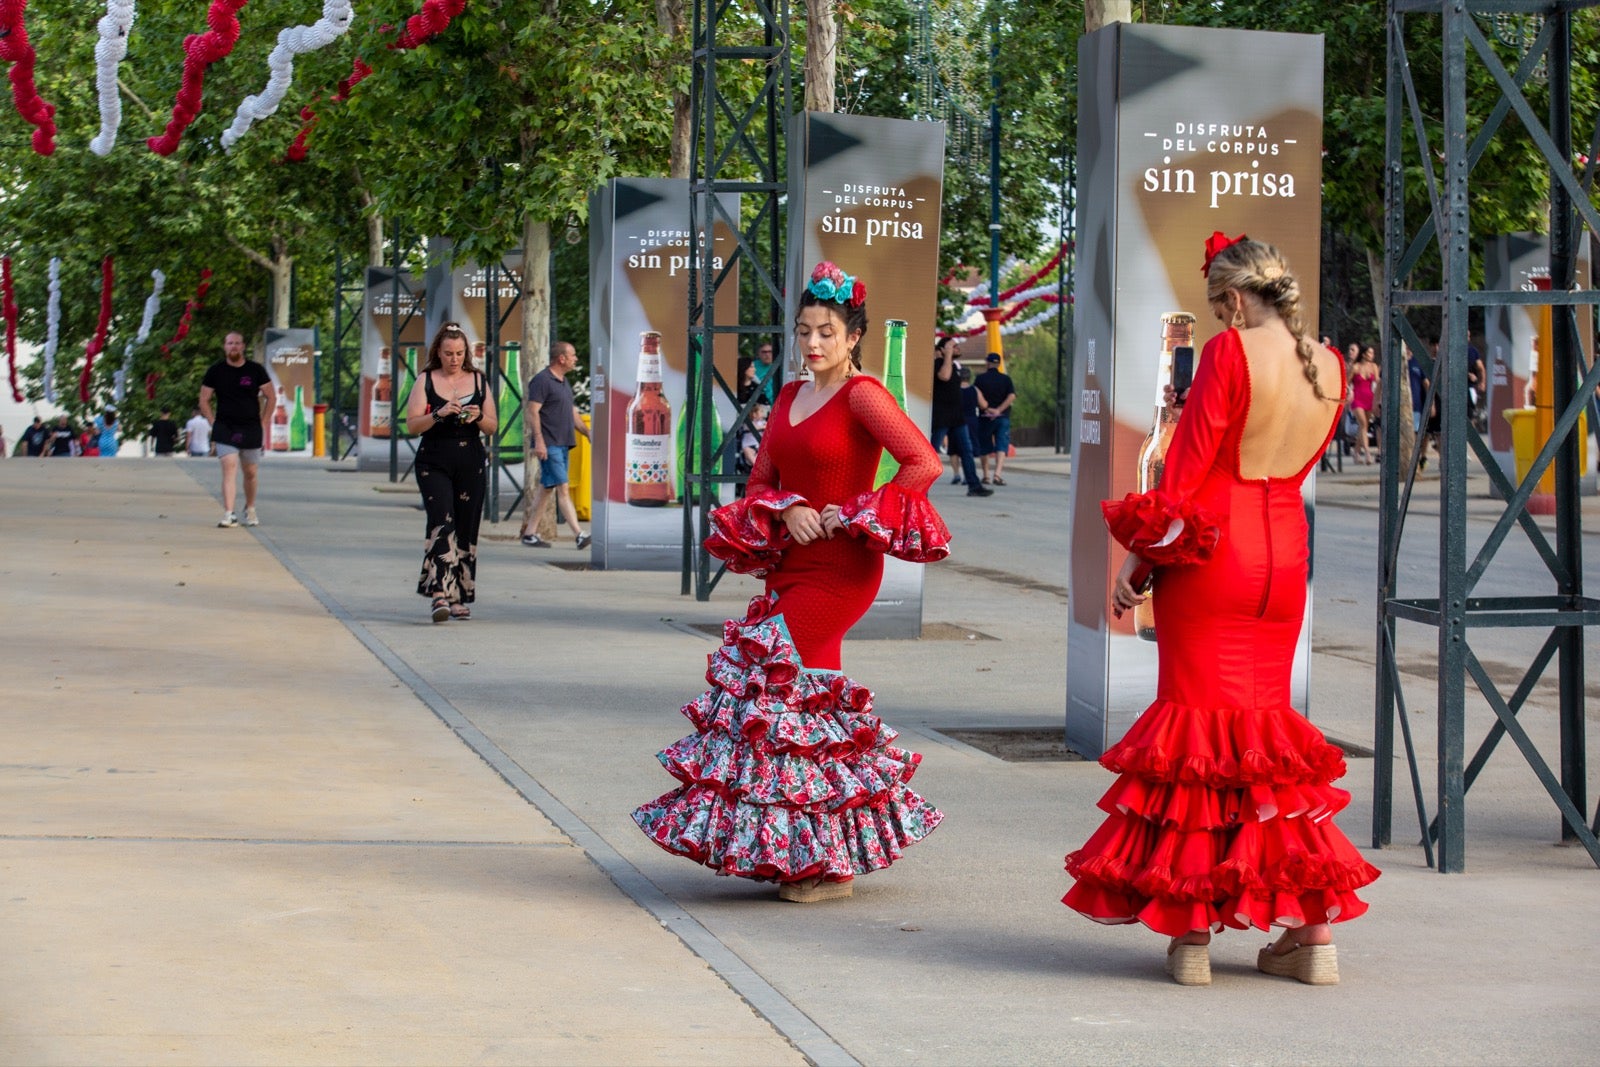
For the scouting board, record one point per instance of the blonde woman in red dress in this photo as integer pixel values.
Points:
(1222, 812)
(789, 776)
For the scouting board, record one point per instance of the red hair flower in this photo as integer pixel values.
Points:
(1214, 246)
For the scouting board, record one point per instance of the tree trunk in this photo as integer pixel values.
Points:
(282, 283)
(670, 20)
(1098, 13)
(822, 53)
(535, 357)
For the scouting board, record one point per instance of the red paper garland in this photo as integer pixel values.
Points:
(15, 49)
(200, 51)
(983, 301)
(419, 29)
(8, 299)
(189, 308)
(97, 343)
(1048, 298)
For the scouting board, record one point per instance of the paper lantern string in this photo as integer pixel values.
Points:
(114, 27)
(418, 30)
(15, 49)
(52, 330)
(292, 41)
(152, 304)
(8, 304)
(97, 343)
(428, 23)
(189, 308)
(200, 51)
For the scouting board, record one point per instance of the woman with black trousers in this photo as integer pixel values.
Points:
(450, 407)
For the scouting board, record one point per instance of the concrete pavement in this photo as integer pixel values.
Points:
(272, 815)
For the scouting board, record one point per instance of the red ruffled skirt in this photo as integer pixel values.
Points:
(1220, 818)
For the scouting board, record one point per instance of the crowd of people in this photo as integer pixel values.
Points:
(106, 435)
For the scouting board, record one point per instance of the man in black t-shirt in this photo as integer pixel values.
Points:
(165, 432)
(61, 437)
(244, 401)
(947, 418)
(35, 436)
(998, 394)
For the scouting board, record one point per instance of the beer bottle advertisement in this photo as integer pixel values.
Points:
(648, 449)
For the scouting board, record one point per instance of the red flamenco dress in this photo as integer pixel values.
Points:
(789, 775)
(1221, 814)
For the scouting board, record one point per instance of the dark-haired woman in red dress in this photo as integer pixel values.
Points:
(1222, 812)
(789, 776)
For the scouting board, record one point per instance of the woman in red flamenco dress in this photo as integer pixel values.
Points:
(789, 777)
(1222, 812)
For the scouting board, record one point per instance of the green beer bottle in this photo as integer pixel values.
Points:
(408, 378)
(690, 451)
(894, 380)
(297, 421)
(508, 407)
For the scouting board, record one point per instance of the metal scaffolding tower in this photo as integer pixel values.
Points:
(741, 97)
(1428, 140)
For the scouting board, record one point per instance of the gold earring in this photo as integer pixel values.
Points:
(1238, 318)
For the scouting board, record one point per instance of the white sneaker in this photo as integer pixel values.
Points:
(228, 519)
(250, 518)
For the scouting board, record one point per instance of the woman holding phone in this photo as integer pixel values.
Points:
(452, 411)
(1222, 812)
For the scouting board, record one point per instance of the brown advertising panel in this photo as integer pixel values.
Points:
(639, 255)
(384, 394)
(865, 193)
(1182, 132)
(291, 356)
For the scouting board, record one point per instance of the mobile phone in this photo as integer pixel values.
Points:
(1182, 369)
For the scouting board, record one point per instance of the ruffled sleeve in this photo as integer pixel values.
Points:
(1162, 529)
(749, 534)
(1164, 525)
(897, 517)
(899, 522)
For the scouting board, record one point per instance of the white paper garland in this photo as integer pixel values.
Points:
(152, 304)
(1027, 324)
(292, 41)
(52, 334)
(114, 27)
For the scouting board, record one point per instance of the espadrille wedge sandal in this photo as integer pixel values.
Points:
(1311, 964)
(1189, 964)
(813, 890)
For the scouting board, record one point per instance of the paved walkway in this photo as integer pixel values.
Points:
(257, 810)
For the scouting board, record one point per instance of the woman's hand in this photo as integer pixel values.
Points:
(831, 522)
(471, 413)
(1123, 594)
(1171, 397)
(805, 524)
(448, 410)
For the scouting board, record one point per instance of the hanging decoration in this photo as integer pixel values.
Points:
(1022, 327)
(8, 303)
(418, 30)
(184, 321)
(97, 343)
(114, 27)
(978, 299)
(52, 330)
(428, 23)
(200, 51)
(152, 304)
(292, 41)
(15, 49)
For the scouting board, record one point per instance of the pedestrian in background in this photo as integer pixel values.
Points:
(197, 435)
(554, 423)
(164, 432)
(237, 398)
(948, 423)
(998, 393)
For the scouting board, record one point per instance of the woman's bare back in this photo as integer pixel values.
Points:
(1287, 424)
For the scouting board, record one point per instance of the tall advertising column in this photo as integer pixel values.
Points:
(291, 360)
(638, 328)
(865, 193)
(381, 408)
(1181, 132)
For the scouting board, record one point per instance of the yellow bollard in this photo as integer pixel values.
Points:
(579, 473)
(319, 429)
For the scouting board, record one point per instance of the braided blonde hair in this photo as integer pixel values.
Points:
(1259, 268)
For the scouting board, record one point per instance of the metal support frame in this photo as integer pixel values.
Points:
(1444, 152)
(397, 325)
(1066, 284)
(494, 319)
(349, 298)
(738, 148)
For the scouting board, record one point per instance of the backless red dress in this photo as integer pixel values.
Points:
(789, 775)
(1222, 812)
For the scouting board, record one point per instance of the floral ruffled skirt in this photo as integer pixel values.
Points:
(788, 774)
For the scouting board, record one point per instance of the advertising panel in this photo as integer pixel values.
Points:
(1182, 131)
(865, 193)
(291, 358)
(639, 254)
(382, 400)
